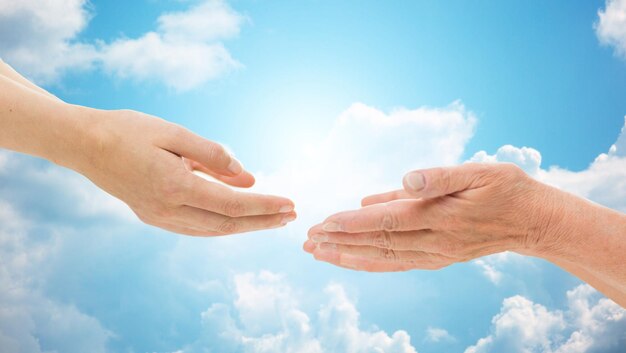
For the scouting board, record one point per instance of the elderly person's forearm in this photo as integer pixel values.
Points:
(455, 214)
(589, 241)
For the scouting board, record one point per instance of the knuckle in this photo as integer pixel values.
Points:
(234, 208)
(215, 151)
(481, 169)
(390, 219)
(175, 133)
(228, 226)
(510, 170)
(437, 180)
(388, 254)
(444, 179)
(383, 239)
(178, 132)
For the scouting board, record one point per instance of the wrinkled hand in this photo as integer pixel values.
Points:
(148, 163)
(443, 216)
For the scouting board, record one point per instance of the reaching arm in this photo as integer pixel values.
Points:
(145, 161)
(449, 215)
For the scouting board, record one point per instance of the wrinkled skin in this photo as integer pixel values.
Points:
(398, 231)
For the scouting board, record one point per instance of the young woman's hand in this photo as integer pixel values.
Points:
(148, 163)
(144, 161)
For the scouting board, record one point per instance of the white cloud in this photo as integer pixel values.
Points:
(208, 21)
(529, 159)
(184, 52)
(489, 270)
(590, 323)
(40, 38)
(267, 317)
(611, 26)
(29, 321)
(604, 181)
(368, 151)
(437, 334)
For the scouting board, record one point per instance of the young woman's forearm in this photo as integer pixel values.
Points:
(40, 125)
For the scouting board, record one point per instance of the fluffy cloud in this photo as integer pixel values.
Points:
(604, 181)
(244, 325)
(529, 159)
(611, 26)
(368, 151)
(590, 323)
(489, 269)
(54, 225)
(437, 334)
(29, 321)
(41, 39)
(184, 52)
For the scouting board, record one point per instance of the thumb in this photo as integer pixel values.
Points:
(436, 182)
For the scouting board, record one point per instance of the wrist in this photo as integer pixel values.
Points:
(553, 222)
(77, 137)
(569, 227)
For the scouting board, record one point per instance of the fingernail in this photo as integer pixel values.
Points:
(349, 261)
(235, 166)
(285, 209)
(332, 227)
(415, 181)
(288, 218)
(319, 238)
(328, 246)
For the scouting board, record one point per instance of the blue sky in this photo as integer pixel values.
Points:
(302, 94)
(518, 66)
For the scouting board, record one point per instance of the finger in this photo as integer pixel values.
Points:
(352, 262)
(386, 197)
(183, 229)
(399, 215)
(243, 180)
(224, 225)
(309, 246)
(208, 153)
(420, 240)
(223, 200)
(419, 259)
(436, 182)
